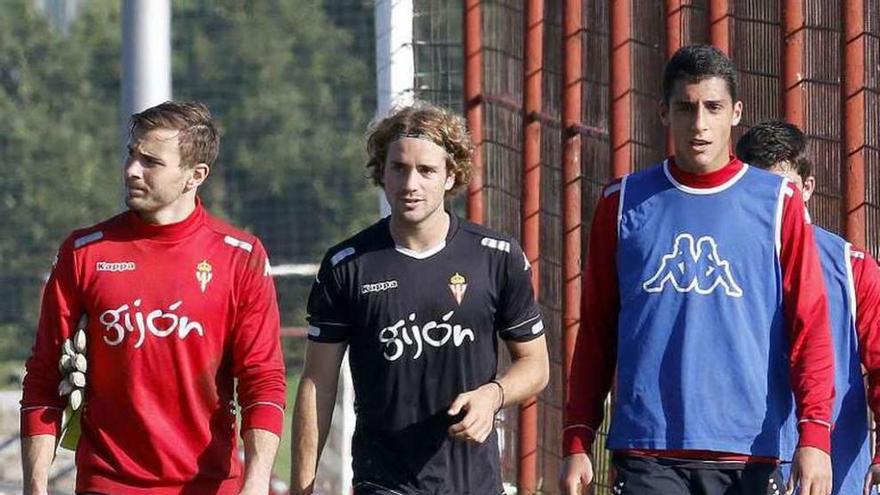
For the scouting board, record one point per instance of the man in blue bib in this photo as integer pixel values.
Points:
(852, 280)
(704, 304)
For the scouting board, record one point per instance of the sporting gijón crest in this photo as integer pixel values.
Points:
(694, 265)
(458, 286)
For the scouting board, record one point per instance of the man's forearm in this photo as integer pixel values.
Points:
(528, 373)
(312, 416)
(37, 453)
(260, 447)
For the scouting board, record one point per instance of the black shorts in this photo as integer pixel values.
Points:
(370, 488)
(638, 475)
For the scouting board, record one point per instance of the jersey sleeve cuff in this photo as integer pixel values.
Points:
(577, 439)
(524, 331)
(40, 421)
(816, 435)
(263, 416)
(329, 333)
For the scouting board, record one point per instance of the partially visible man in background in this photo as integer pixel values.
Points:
(179, 305)
(852, 280)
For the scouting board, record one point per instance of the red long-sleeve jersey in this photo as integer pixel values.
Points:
(866, 279)
(804, 306)
(175, 313)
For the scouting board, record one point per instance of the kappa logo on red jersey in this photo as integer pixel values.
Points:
(694, 265)
(458, 286)
(121, 266)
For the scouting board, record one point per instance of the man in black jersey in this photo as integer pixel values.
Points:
(419, 299)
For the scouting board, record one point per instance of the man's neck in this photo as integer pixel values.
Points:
(173, 213)
(696, 168)
(421, 236)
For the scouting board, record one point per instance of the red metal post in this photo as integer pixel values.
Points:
(854, 121)
(571, 179)
(719, 24)
(527, 479)
(473, 100)
(673, 43)
(621, 87)
(793, 24)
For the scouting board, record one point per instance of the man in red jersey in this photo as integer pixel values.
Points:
(702, 289)
(179, 306)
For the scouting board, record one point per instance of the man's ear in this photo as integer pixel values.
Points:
(809, 188)
(663, 109)
(450, 182)
(737, 113)
(200, 172)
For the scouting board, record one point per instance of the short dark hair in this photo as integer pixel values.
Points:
(199, 138)
(693, 63)
(773, 142)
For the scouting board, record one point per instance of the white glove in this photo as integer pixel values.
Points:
(73, 366)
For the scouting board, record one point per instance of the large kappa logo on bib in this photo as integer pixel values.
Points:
(694, 265)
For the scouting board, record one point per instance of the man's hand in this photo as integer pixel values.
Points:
(480, 406)
(811, 470)
(576, 474)
(872, 479)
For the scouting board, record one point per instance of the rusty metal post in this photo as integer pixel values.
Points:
(854, 121)
(527, 479)
(572, 18)
(719, 24)
(673, 43)
(473, 102)
(793, 24)
(621, 87)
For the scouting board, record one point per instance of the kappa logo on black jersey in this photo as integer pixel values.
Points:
(694, 265)
(379, 286)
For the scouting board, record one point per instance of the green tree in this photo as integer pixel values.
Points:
(290, 95)
(284, 82)
(57, 151)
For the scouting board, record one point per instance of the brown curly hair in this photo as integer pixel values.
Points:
(441, 126)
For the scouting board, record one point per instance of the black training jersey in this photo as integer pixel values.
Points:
(422, 328)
